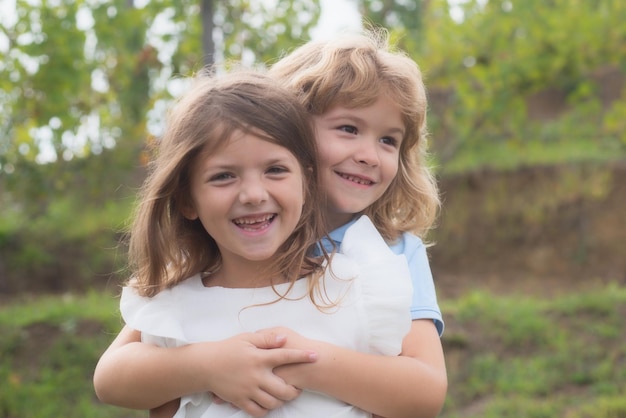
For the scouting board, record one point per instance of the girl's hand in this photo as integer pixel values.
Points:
(241, 370)
(293, 372)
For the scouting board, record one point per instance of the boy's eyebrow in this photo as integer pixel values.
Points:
(392, 130)
(398, 130)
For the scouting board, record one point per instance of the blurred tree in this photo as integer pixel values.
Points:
(514, 70)
(79, 79)
(405, 17)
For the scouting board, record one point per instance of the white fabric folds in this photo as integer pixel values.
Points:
(368, 286)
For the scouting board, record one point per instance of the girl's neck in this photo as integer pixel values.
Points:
(238, 275)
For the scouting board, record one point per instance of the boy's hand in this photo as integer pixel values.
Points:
(167, 410)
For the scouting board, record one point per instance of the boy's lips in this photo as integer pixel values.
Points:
(364, 181)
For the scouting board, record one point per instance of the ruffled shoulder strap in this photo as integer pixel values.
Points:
(363, 242)
(157, 316)
(386, 285)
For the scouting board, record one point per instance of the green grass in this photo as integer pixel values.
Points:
(508, 356)
(48, 350)
(526, 357)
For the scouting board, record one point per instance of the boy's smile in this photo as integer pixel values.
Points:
(359, 154)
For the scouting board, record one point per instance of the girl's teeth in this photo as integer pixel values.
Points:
(251, 221)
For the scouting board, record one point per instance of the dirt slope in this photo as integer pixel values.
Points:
(540, 229)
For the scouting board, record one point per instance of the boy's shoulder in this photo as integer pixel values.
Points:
(407, 243)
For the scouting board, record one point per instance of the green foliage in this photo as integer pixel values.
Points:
(405, 17)
(604, 407)
(491, 73)
(70, 244)
(48, 352)
(77, 83)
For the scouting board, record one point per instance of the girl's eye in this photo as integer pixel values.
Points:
(277, 170)
(349, 129)
(220, 177)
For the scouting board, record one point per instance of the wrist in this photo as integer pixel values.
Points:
(192, 367)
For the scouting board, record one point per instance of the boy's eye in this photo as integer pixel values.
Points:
(389, 140)
(349, 129)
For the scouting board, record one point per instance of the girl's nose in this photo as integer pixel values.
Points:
(253, 192)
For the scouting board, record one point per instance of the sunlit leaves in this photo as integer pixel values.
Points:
(81, 79)
(489, 58)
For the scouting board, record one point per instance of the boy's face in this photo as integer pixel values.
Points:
(359, 154)
(248, 194)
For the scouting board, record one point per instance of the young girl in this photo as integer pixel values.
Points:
(369, 108)
(219, 244)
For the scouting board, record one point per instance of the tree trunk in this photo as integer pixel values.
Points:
(208, 47)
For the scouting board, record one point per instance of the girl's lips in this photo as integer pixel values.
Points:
(254, 223)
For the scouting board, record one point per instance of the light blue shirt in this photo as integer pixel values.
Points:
(424, 305)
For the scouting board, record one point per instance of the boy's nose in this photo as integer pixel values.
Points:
(368, 153)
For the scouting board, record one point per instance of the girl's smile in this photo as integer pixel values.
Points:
(248, 194)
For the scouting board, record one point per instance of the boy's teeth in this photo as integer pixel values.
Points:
(356, 179)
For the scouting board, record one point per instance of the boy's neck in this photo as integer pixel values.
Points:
(335, 221)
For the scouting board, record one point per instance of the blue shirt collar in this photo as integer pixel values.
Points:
(336, 235)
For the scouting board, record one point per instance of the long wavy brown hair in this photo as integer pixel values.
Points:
(166, 248)
(354, 71)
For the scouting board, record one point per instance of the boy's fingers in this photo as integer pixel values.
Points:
(267, 339)
(292, 356)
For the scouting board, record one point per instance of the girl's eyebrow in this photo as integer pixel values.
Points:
(232, 165)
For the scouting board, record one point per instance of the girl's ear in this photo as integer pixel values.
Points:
(189, 211)
(309, 172)
(191, 215)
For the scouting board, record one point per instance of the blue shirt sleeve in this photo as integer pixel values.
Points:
(424, 305)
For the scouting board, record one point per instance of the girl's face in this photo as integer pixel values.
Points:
(359, 154)
(248, 194)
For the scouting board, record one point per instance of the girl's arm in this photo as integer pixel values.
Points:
(413, 384)
(239, 370)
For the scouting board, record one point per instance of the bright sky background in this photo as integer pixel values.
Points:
(337, 15)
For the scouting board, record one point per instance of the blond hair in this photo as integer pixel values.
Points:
(165, 247)
(354, 71)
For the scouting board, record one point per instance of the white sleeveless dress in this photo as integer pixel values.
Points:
(372, 284)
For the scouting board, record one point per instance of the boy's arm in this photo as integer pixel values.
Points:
(167, 410)
(239, 370)
(413, 384)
